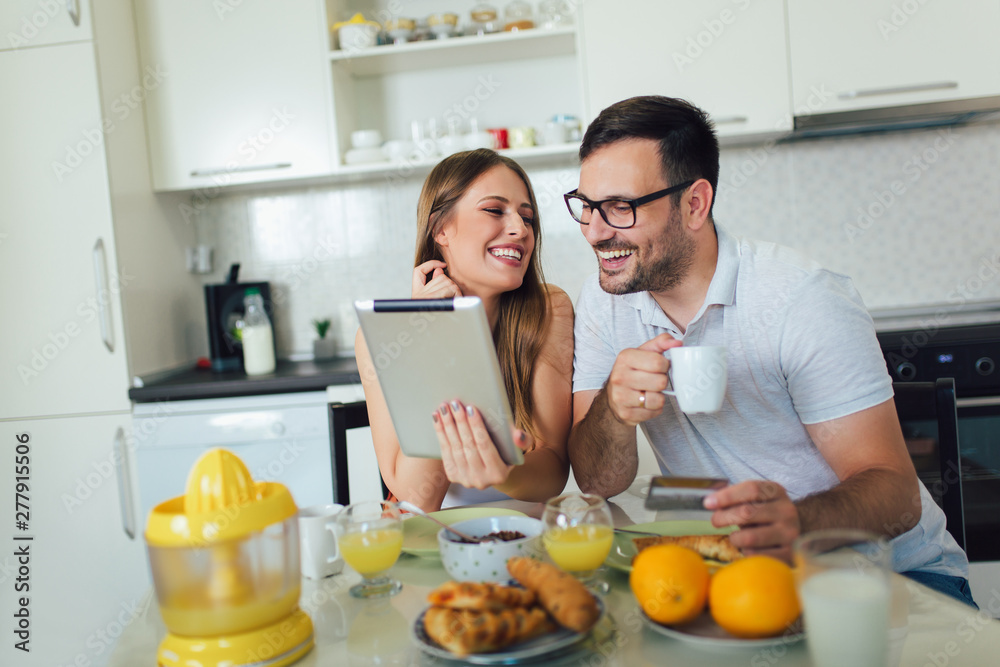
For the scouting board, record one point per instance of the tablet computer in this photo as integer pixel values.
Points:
(431, 351)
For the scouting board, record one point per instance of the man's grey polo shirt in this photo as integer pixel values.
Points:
(801, 350)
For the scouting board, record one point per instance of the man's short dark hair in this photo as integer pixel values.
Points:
(689, 149)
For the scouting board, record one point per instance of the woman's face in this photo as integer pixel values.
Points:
(490, 235)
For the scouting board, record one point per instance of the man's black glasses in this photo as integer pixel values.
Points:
(618, 213)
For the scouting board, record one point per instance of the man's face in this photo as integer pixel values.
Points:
(656, 253)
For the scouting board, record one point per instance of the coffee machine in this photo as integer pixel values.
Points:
(224, 311)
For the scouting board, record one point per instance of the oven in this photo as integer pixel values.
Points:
(971, 355)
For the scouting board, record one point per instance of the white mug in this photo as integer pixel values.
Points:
(320, 556)
(698, 377)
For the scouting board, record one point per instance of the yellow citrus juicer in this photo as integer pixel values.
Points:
(225, 564)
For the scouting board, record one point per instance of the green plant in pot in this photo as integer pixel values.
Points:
(323, 347)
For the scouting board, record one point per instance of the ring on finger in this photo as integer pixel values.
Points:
(642, 399)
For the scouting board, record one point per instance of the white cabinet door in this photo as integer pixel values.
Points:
(862, 54)
(727, 57)
(83, 578)
(29, 23)
(63, 348)
(241, 93)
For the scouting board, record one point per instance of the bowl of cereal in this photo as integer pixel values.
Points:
(502, 538)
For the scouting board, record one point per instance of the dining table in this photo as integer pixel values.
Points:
(929, 629)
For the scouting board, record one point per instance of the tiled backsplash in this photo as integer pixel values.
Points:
(912, 217)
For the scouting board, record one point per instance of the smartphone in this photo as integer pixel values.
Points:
(681, 493)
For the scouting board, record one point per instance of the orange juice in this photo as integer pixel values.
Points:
(372, 551)
(579, 548)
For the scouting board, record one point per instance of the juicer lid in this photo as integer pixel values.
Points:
(221, 503)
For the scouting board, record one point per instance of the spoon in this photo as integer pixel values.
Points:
(410, 507)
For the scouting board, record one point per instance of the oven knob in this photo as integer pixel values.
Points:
(985, 366)
(906, 371)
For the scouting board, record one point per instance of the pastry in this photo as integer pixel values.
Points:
(715, 547)
(463, 631)
(566, 599)
(480, 597)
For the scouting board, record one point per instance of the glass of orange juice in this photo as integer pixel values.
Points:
(578, 535)
(370, 538)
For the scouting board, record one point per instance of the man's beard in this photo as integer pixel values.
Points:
(662, 273)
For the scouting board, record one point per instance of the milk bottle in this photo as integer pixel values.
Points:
(258, 338)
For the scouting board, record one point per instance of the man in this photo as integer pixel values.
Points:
(808, 433)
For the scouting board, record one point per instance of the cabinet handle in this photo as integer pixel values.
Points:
(895, 90)
(124, 474)
(985, 402)
(73, 9)
(727, 120)
(103, 295)
(214, 171)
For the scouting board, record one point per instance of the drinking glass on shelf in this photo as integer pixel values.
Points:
(843, 579)
(370, 538)
(577, 535)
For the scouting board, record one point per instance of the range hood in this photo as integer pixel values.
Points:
(883, 119)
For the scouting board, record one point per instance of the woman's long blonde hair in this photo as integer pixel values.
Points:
(523, 312)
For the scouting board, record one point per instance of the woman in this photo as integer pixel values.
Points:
(478, 235)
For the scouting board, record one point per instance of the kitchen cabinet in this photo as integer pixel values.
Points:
(864, 54)
(245, 95)
(30, 23)
(86, 579)
(505, 79)
(64, 360)
(64, 346)
(255, 93)
(727, 57)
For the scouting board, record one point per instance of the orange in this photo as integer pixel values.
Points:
(670, 582)
(754, 597)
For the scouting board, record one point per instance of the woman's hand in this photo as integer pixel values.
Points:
(469, 455)
(437, 286)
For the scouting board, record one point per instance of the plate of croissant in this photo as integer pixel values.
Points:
(489, 623)
(701, 536)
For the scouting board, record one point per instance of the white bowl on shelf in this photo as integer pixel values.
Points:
(366, 139)
(400, 150)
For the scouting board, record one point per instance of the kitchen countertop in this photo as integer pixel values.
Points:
(289, 376)
(378, 632)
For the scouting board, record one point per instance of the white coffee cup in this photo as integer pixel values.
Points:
(698, 377)
(319, 554)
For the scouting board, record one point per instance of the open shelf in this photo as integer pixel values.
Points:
(466, 50)
(525, 156)
(562, 155)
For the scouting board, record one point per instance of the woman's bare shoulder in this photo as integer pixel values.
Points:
(559, 302)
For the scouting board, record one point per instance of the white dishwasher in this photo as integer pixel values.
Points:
(280, 437)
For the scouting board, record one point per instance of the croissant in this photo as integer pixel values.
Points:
(464, 631)
(565, 598)
(479, 596)
(716, 547)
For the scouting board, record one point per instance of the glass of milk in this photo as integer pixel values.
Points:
(845, 587)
